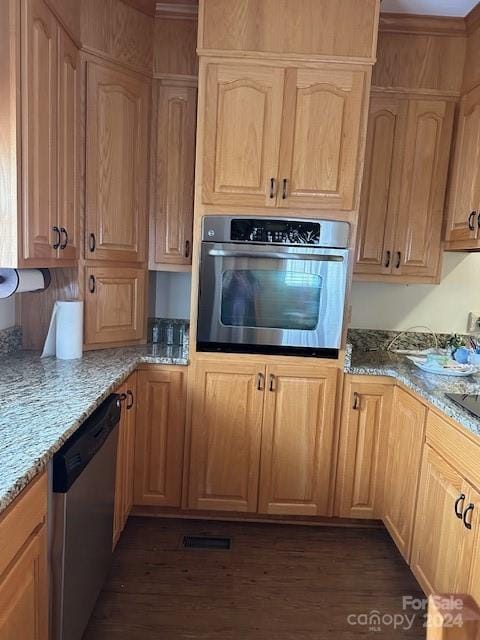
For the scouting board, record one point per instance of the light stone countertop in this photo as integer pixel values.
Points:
(44, 401)
(428, 386)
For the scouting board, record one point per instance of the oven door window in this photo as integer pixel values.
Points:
(271, 299)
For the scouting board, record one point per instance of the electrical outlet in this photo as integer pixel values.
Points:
(473, 325)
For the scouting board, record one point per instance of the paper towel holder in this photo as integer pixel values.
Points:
(47, 279)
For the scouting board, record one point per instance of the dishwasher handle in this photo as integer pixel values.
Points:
(76, 453)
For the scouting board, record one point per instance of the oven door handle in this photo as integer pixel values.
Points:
(221, 253)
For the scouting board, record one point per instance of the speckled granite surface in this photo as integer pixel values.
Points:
(429, 386)
(43, 401)
(10, 340)
(365, 339)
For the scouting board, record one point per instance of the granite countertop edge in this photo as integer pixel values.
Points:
(39, 463)
(420, 383)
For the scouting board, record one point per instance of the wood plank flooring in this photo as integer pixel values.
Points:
(278, 582)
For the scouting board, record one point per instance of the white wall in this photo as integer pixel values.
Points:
(7, 313)
(442, 307)
(171, 294)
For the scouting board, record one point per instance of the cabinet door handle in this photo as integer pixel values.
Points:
(92, 242)
(130, 400)
(271, 384)
(471, 221)
(284, 189)
(260, 382)
(459, 509)
(478, 221)
(399, 260)
(356, 401)
(273, 191)
(122, 397)
(91, 284)
(58, 239)
(187, 248)
(388, 259)
(469, 510)
(64, 233)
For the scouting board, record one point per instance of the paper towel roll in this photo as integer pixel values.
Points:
(21, 280)
(65, 334)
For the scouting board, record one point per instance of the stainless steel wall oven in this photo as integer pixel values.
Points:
(272, 286)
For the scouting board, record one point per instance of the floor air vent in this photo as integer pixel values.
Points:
(204, 542)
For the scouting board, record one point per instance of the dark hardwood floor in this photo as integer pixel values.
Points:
(277, 582)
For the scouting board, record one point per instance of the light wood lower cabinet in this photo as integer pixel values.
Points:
(443, 545)
(404, 450)
(160, 436)
(366, 416)
(297, 440)
(226, 429)
(24, 602)
(262, 437)
(125, 456)
(114, 305)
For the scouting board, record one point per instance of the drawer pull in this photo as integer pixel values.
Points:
(356, 401)
(130, 400)
(92, 242)
(260, 382)
(91, 284)
(471, 221)
(468, 521)
(459, 509)
(187, 249)
(271, 385)
(64, 233)
(399, 259)
(284, 190)
(58, 239)
(272, 188)
(388, 259)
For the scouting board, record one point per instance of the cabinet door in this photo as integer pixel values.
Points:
(298, 440)
(117, 164)
(160, 437)
(381, 185)
(118, 510)
(442, 546)
(422, 194)
(474, 585)
(243, 110)
(68, 146)
(404, 449)
(39, 130)
(114, 305)
(225, 435)
(172, 210)
(366, 419)
(320, 138)
(464, 191)
(24, 593)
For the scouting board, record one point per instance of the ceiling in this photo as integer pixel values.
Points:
(429, 7)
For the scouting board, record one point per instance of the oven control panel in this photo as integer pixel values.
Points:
(275, 231)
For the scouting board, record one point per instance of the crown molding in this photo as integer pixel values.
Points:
(176, 9)
(422, 25)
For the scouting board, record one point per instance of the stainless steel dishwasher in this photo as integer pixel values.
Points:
(82, 519)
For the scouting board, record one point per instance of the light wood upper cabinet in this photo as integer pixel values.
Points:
(117, 167)
(422, 191)
(381, 184)
(160, 436)
(242, 121)
(403, 193)
(366, 416)
(443, 547)
(226, 428)
(39, 139)
(282, 137)
(297, 440)
(24, 602)
(320, 138)
(463, 223)
(173, 174)
(404, 450)
(68, 146)
(114, 305)
(125, 456)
